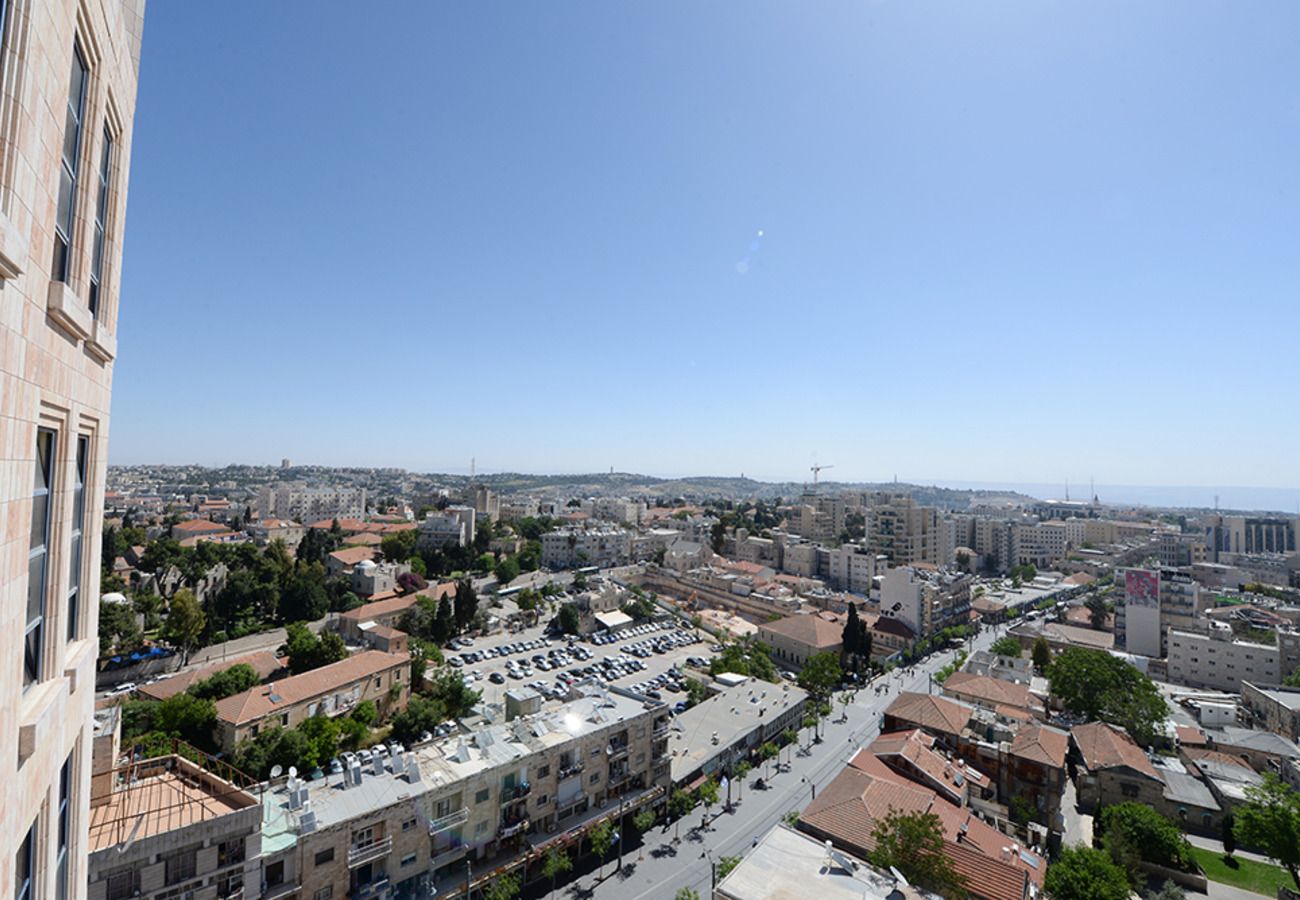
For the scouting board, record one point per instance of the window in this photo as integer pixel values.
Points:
(595, 776)
(324, 856)
(543, 771)
(543, 800)
(480, 828)
(61, 861)
(101, 224)
(68, 171)
(123, 884)
(481, 796)
(408, 824)
(78, 523)
(230, 852)
(231, 885)
(38, 556)
(179, 865)
(275, 873)
(23, 866)
(408, 860)
(324, 893)
(1129, 790)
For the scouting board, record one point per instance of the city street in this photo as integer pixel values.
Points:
(667, 868)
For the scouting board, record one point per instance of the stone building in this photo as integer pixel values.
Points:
(68, 74)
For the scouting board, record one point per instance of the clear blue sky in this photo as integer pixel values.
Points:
(1000, 241)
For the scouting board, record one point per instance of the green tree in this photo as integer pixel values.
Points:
(557, 863)
(365, 713)
(504, 888)
(767, 752)
(1041, 654)
(421, 714)
(308, 651)
(188, 718)
(1168, 891)
(304, 597)
(602, 839)
(322, 734)
(506, 571)
(686, 894)
(746, 657)
(568, 618)
(226, 683)
(466, 604)
(118, 631)
(1132, 831)
(742, 770)
(644, 820)
(1098, 686)
(1084, 873)
(148, 606)
(725, 865)
(1227, 835)
(1007, 646)
(1097, 611)
(1270, 821)
(820, 674)
(185, 623)
(679, 804)
(709, 793)
(444, 625)
(399, 546)
(913, 844)
(456, 697)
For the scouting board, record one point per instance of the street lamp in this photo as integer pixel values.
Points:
(713, 869)
(620, 831)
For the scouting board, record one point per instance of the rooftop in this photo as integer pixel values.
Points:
(264, 662)
(1106, 746)
(262, 700)
(812, 630)
(930, 712)
(729, 714)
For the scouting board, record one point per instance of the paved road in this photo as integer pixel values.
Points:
(263, 640)
(668, 867)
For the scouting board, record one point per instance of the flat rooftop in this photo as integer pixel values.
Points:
(787, 865)
(166, 793)
(730, 713)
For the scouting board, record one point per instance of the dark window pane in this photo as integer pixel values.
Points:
(71, 135)
(40, 509)
(32, 654)
(35, 586)
(74, 563)
(78, 88)
(63, 217)
(44, 458)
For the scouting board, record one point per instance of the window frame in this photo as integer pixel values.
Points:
(99, 237)
(38, 594)
(77, 531)
(64, 233)
(64, 829)
(25, 860)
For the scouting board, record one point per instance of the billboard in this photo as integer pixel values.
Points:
(1142, 587)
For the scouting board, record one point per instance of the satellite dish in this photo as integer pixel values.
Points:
(276, 772)
(293, 771)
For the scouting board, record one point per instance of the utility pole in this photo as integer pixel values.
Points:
(468, 875)
(620, 831)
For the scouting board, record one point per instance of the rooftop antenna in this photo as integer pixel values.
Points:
(1067, 490)
(471, 468)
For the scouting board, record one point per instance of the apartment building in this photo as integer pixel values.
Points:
(1274, 708)
(267, 530)
(1216, 659)
(334, 689)
(68, 74)
(1156, 600)
(852, 567)
(296, 500)
(1041, 544)
(902, 531)
(1249, 534)
(406, 825)
(167, 828)
(453, 527)
(575, 546)
(817, 517)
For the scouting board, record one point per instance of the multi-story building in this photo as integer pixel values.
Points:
(1156, 600)
(295, 500)
(1215, 659)
(817, 517)
(485, 502)
(1041, 544)
(267, 530)
(331, 690)
(925, 599)
(1174, 549)
(852, 567)
(406, 825)
(1274, 708)
(453, 527)
(1249, 534)
(902, 531)
(68, 74)
(574, 547)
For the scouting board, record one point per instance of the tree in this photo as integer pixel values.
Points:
(187, 718)
(789, 736)
(1270, 821)
(557, 862)
(820, 674)
(679, 804)
(568, 619)
(1097, 611)
(1168, 891)
(709, 793)
(1226, 826)
(304, 598)
(644, 820)
(506, 571)
(444, 624)
(322, 734)
(1041, 654)
(767, 752)
(602, 839)
(399, 546)
(421, 714)
(1098, 686)
(185, 623)
(456, 697)
(118, 631)
(686, 894)
(226, 683)
(746, 657)
(466, 604)
(725, 865)
(504, 888)
(1084, 873)
(1132, 831)
(913, 844)
(743, 768)
(1006, 646)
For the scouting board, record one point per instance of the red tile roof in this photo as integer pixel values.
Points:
(257, 703)
(1043, 745)
(1104, 746)
(984, 690)
(930, 712)
(199, 526)
(917, 748)
(264, 662)
(351, 556)
(812, 631)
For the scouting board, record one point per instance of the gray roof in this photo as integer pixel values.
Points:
(1181, 787)
(1260, 741)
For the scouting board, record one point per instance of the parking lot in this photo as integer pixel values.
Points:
(645, 658)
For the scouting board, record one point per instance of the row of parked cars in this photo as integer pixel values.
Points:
(635, 631)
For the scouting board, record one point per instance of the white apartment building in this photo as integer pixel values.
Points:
(852, 568)
(295, 500)
(575, 547)
(1041, 544)
(1154, 601)
(902, 531)
(68, 75)
(453, 527)
(817, 517)
(615, 509)
(1217, 660)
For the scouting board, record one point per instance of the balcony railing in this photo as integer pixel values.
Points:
(448, 854)
(616, 751)
(449, 821)
(513, 828)
(661, 729)
(364, 853)
(518, 792)
(283, 889)
(570, 770)
(371, 889)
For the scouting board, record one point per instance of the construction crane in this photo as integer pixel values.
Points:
(816, 470)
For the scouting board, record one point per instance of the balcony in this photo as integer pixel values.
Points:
(616, 751)
(283, 889)
(449, 821)
(450, 854)
(364, 853)
(518, 792)
(660, 729)
(617, 778)
(569, 770)
(371, 889)
(511, 827)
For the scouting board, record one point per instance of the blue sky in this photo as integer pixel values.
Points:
(1000, 241)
